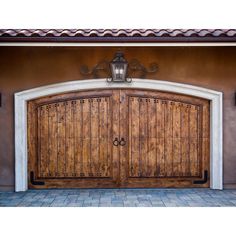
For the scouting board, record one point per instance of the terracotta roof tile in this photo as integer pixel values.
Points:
(154, 35)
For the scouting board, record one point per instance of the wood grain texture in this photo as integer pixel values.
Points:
(166, 139)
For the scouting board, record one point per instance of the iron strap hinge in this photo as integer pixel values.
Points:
(204, 180)
(33, 181)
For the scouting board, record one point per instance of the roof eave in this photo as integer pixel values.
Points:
(118, 39)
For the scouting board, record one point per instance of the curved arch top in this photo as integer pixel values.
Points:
(21, 98)
(101, 83)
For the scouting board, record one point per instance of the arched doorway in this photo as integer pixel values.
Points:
(175, 155)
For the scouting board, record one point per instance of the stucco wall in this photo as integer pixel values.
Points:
(23, 68)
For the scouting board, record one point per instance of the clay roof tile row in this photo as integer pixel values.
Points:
(155, 35)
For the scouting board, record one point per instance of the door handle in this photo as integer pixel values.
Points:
(116, 142)
(122, 142)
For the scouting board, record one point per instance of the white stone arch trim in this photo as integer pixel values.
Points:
(216, 128)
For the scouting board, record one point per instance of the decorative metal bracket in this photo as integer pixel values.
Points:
(135, 66)
(33, 181)
(204, 180)
(102, 66)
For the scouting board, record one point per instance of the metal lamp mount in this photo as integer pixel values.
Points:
(119, 69)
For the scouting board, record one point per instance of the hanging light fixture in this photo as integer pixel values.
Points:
(118, 69)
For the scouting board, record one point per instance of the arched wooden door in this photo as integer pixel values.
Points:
(118, 138)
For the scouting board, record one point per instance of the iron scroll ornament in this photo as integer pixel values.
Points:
(104, 66)
(135, 65)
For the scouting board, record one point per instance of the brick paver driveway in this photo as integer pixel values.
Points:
(120, 198)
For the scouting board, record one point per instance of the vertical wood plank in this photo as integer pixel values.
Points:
(130, 134)
(115, 134)
(176, 140)
(123, 130)
(134, 124)
(95, 137)
(152, 165)
(193, 140)
(184, 139)
(61, 139)
(86, 137)
(160, 115)
(143, 136)
(69, 137)
(40, 141)
(108, 168)
(44, 141)
(78, 129)
(168, 138)
(103, 136)
(52, 139)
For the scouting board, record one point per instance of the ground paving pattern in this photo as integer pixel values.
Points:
(119, 198)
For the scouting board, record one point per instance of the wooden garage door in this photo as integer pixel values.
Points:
(118, 138)
(167, 139)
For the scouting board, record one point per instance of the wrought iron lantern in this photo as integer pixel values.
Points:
(119, 69)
